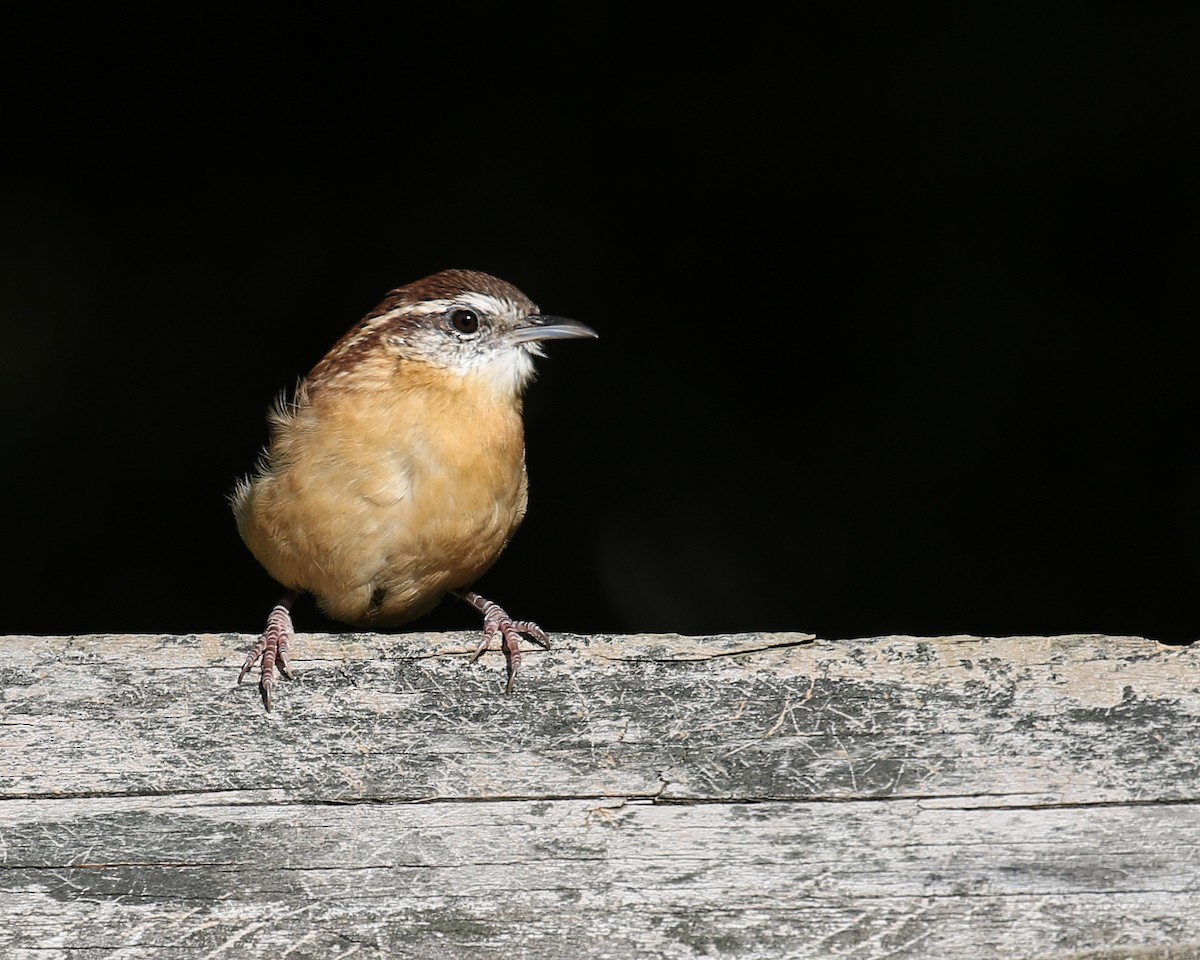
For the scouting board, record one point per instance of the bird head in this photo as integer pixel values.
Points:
(463, 322)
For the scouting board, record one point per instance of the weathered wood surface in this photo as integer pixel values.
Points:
(650, 796)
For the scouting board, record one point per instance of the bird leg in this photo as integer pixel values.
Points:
(496, 621)
(272, 648)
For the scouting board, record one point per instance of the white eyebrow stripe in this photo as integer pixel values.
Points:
(482, 302)
(424, 308)
(470, 299)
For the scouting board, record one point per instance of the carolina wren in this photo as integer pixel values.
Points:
(396, 473)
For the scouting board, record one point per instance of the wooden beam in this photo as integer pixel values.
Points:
(758, 795)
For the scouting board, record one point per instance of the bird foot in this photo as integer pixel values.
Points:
(496, 621)
(272, 648)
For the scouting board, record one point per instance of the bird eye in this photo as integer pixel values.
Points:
(465, 321)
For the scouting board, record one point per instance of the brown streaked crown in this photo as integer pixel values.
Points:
(449, 284)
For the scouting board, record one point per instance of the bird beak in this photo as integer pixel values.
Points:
(539, 327)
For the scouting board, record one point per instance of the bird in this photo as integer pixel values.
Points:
(394, 474)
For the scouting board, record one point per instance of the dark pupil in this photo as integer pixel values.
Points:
(465, 320)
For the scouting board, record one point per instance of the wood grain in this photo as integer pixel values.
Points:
(758, 795)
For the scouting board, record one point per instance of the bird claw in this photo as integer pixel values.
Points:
(497, 621)
(272, 649)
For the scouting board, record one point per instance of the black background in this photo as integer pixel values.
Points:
(897, 308)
